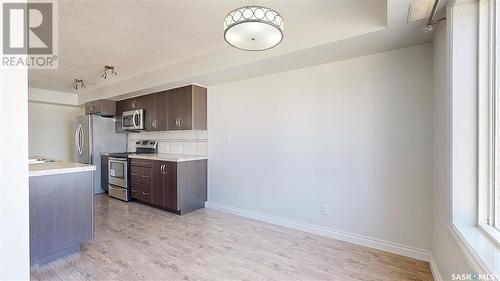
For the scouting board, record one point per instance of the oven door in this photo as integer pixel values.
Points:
(133, 120)
(117, 172)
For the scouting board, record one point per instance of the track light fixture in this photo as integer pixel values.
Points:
(111, 69)
(78, 83)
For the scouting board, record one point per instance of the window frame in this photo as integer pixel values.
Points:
(488, 118)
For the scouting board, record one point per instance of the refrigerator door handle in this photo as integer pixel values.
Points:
(77, 138)
(82, 139)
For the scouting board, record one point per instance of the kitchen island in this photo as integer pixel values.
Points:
(61, 208)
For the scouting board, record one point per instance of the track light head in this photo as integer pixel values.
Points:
(78, 83)
(106, 69)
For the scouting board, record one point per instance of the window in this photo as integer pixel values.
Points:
(489, 120)
(493, 218)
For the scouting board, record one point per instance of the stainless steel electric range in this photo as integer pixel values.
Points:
(118, 174)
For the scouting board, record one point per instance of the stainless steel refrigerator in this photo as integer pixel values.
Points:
(93, 136)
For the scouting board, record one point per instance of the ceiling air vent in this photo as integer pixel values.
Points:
(419, 10)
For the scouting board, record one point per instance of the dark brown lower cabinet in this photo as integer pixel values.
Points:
(164, 188)
(179, 187)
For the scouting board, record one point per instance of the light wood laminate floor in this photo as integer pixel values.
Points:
(137, 242)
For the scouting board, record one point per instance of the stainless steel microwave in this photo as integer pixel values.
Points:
(133, 120)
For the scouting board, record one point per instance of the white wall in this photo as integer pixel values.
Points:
(354, 134)
(447, 255)
(51, 132)
(54, 97)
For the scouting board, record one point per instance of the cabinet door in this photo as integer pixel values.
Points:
(95, 107)
(121, 106)
(164, 188)
(90, 107)
(134, 103)
(87, 108)
(170, 185)
(161, 115)
(106, 107)
(179, 107)
(157, 190)
(147, 103)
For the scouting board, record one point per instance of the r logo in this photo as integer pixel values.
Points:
(27, 28)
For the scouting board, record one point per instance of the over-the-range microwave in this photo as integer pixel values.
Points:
(133, 120)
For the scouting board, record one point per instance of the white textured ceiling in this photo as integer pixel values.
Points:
(140, 36)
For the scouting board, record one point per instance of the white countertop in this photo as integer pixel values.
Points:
(58, 167)
(168, 157)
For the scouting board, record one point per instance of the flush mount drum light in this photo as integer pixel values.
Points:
(253, 28)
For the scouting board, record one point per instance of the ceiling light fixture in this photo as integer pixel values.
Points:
(78, 83)
(253, 28)
(110, 68)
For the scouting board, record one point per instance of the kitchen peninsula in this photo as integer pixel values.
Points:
(61, 208)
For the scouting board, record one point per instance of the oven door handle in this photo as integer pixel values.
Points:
(117, 160)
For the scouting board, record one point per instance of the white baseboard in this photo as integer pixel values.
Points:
(435, 270)
(395, 248)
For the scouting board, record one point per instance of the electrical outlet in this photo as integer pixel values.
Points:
(228, 137)
(324, 209)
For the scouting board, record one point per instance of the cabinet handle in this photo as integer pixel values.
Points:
(143, 176)
(134, 104)
(154, 124)
(134, 190)
(180, 122)
(144, 163)
(91, 108)
(134, 174)
(133, 118)
(145, 193)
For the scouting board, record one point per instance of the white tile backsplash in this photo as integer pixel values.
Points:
(178, 142)
(202, 148)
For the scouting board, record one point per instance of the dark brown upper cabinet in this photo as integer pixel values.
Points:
(101, 107)
(121, 106)
(147, 103)
(187, 108)
(183, 108)
(135, 103)
(160, 108)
